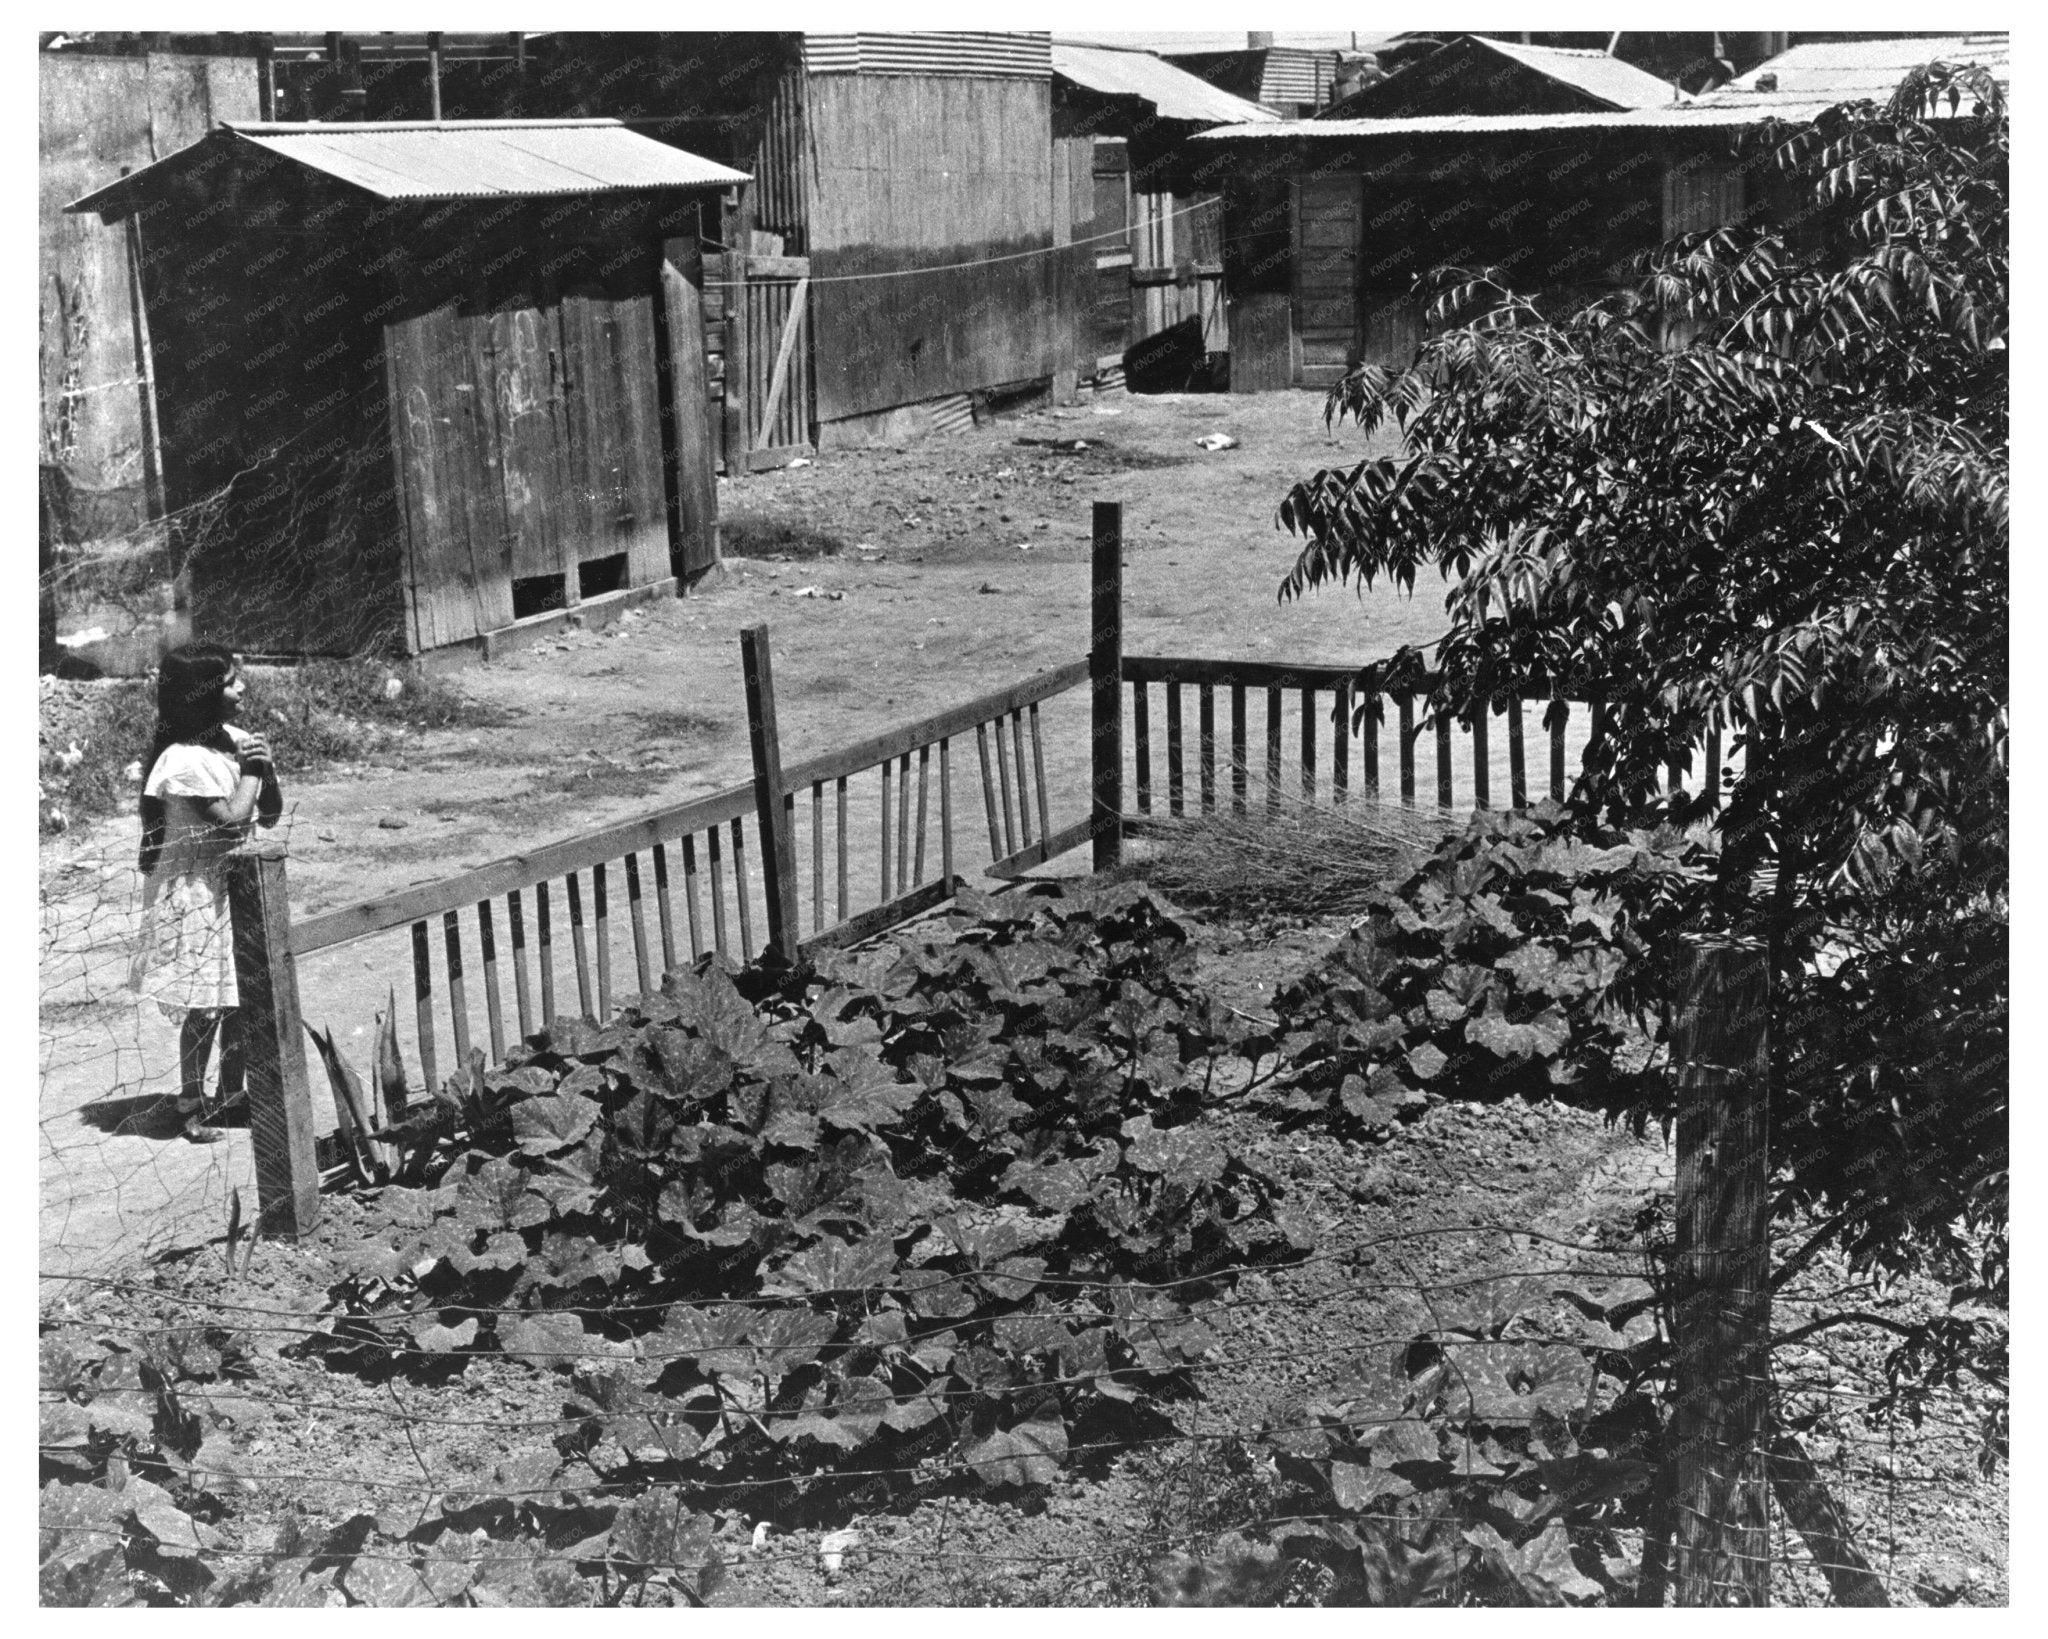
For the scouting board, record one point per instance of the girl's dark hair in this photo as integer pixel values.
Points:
(188, 711)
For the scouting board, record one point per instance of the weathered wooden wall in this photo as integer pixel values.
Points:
(914, 172)
(270, 388)
(523, 370)
(100, 117)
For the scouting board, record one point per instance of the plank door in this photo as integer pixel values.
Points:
(444, 430)
(1110, 231)
(521, 353)
(612, 418)
(1329, 218)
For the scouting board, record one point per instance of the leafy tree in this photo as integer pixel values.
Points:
(1763, 490)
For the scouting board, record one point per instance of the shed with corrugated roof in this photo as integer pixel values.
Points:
(1330, 222)
(415, 382)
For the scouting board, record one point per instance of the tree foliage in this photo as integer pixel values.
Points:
(1762, 489)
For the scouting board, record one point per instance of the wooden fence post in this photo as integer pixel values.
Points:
(1105, 667)
(1813, 1512)
(274, 1045)
(778, 845)
(1720, 1059)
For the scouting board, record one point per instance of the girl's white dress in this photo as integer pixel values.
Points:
(185, 956)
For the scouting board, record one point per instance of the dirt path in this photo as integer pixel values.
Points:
(965, 568)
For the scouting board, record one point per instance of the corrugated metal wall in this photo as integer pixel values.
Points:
(1002, 55)
(942, 185)
(780, 202)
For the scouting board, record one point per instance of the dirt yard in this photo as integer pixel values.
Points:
(962, 566)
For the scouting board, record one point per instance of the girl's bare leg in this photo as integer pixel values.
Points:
(227, 1089)
(195, 1043)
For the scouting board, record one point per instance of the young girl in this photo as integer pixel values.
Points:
(206, 780)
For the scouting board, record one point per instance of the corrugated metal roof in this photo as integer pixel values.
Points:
(459, 159)
(1294, 75)
(983, 55)
(1619, 84)
(1810, 78)
(1169, 43)
(1832, 71)
(1174, 92)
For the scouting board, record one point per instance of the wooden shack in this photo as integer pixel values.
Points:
(425, 387)
(1147, 233)
(1329, 222)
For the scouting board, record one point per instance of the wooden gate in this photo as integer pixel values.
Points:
(757, 337)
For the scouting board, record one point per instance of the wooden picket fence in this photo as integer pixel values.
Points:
(763, 871)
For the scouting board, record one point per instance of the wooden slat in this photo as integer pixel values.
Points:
(839, 835)
(1255, 674)
(1205, 717)
(946, 810)
(924, 781)
(1340, 742)
(988, 793)
(884, 917)
(579, 947)
(642, 962)
(492, 881)
(515, 912)
(665, 908)
(690, 913)
(1240, 751)
(1003, 779)
(817, 855)
(494, 1008)
(1039, 852)
(1557, 786)
(1372, 748)
(543, 912)
(1023, 780)
(716, 861)
(423, 1003)
(903, 823)
(739, 888)
(602, 906)
(1406, 706)
(865, 754)
(1273, 736)
(1308, 744)
(1141, 744)
(1481, 787)
(888, 773)
(1176, 767)
(1038, 768)
(1443, 763)
(458, 999)
(1518, 758)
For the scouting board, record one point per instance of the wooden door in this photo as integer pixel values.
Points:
(1110, 231)
(612, 417)
(522, 355)
(1329, 218)
(444, 430)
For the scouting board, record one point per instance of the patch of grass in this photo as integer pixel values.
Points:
(325, 711)
(677, 725)
(1294, 858)
(773, 537)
